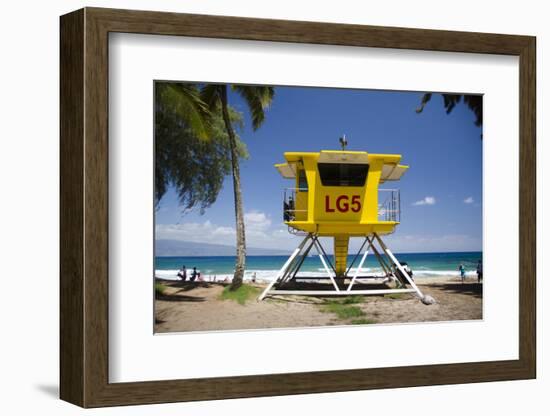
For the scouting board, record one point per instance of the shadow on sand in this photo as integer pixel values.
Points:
(472, 289)
(305, 299)
(301, 285)
(187, 285)
(179, 298)
(183, 287)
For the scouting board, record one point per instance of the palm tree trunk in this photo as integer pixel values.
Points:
(239, 216)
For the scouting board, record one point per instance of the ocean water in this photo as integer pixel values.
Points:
(266, 267)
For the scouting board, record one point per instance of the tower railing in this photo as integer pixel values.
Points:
(389, 209)
(290, 211)
(389, 206)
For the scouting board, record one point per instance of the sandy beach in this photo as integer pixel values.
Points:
(200, 306)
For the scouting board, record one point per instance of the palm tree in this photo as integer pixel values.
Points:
(474, 103)
(191, 146)
(258, 98)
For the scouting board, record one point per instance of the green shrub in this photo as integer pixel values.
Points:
(159, 288)
(343, 311)
(243, 294)
(349, 300)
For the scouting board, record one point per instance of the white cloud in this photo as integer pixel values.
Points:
(469, 200)
(257, 221)
(258, 226)
(429, 200)
(224, 231)
(193, 231)
(259, 235)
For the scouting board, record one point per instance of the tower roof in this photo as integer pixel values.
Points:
(391, 169)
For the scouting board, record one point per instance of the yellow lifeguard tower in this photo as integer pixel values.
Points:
(337, 194)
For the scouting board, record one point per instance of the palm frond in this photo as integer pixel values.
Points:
(258, 99)
(185, 100)
(474, 103)
(210, 94)
(195, 168)
(425, 99)
(450, 101)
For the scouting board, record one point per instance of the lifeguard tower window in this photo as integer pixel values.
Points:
(343, 174)
(302, 181)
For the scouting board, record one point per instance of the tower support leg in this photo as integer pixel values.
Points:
(293, 264)
(321, 253)
(358, 270)
(304, 257)
(283, 270)
(383, 264)
(425, 298)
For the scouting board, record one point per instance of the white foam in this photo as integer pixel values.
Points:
(269, 275)
(440, 273)
(167, 274)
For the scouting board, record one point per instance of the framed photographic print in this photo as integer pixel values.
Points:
(255, 207)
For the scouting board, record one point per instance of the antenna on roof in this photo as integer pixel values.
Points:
(343, 142)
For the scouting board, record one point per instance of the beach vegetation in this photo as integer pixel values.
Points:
(349, 300)
(258, 98)
(159, 288)
(242, 294)
(342, 311)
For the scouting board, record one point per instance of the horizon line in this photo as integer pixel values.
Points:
(396, 253)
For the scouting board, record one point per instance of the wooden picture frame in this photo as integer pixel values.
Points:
(84, 207)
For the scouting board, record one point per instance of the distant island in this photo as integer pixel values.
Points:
(169, 248)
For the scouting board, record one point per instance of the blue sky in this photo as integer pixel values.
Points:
(440, 193)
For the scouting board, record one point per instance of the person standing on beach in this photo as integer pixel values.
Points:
(479, 271)
(462, 272)
(193, 275)
(182, 274)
